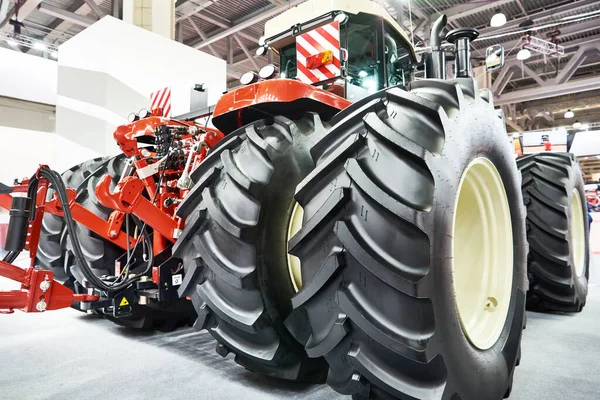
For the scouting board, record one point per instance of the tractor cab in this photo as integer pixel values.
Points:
(350, 48)
(332, 53)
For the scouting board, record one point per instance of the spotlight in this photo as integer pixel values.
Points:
(498, 19)
(523, 54)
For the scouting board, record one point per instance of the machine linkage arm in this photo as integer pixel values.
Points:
(39, 291)
(128, 198)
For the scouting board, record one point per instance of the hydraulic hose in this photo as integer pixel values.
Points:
(59, 187)
(11, 256)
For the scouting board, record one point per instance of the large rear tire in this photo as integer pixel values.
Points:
(51, 252)
(413, 247)
(234, 245)
(557, 231)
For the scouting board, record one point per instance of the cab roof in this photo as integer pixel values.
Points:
(314, 8)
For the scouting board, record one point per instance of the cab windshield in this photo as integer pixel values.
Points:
(378, 57)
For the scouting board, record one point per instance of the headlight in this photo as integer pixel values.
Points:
(248, 78)
(132, 117)
(268, 71)
(144, 113)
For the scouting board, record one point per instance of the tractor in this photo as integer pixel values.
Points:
(345, 222)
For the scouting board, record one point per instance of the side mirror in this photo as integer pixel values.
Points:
(494, 57)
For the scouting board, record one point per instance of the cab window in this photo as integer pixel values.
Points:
(397, 57)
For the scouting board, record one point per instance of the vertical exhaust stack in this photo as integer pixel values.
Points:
(435, 63)
(461, 38)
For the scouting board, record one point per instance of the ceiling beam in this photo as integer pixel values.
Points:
(197, 9)
(26, 8)
(65, 15)
(246, 52)
(567, 30)
(203, 36)
(94, 7)
(216, 20)
(544, 92)
(533, 75)
(550, 12)
(472, 7)
(263, 14)
(513, 125)
(575, 62)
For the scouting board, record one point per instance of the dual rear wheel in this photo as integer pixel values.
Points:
(391, 247)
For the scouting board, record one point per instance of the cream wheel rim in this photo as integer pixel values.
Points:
(294, 267)
(482, 253)
(577, 233)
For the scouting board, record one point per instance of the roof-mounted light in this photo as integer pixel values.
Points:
(144, 113)
(262, 50)
(268, 71)
(248, 78)
(341, 18)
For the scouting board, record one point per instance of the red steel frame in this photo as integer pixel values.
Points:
(39, 292)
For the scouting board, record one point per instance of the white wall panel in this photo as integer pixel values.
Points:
(27, 77)
(22, 151)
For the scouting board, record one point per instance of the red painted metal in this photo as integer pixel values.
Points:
(128, 198)
(39, 291)
(87, 218)
(5, 201)
(275, 91)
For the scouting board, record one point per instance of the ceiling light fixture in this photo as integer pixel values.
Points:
(523, 54)
(577, 125)
(498, 19)
(569, 114)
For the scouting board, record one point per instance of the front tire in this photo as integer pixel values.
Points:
(384, 252)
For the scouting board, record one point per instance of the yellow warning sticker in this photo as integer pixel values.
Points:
(124, 302)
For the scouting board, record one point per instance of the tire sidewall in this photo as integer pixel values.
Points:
(486, 138)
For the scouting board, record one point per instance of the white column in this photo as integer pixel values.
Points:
(157, 16)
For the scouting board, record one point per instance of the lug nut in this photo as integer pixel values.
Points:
(113, 233)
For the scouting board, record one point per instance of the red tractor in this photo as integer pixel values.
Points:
(346, 222)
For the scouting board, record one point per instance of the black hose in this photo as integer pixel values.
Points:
(56, 181)
(11, 256)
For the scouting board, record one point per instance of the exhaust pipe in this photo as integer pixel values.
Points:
(435, 63)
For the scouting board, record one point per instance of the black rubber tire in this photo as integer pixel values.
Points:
(548, 183)
(234, 245)
(51, 252)
(377, 240)
(100, 254)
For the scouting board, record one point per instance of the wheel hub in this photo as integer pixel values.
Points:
(482, 249)
(577, 233)
(294, 267)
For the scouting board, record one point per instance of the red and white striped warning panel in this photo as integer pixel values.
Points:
(161, 99)
(318, 54)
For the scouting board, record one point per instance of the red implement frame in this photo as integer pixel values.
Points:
(39, 291)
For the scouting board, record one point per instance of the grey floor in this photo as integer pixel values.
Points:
(68, 355)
